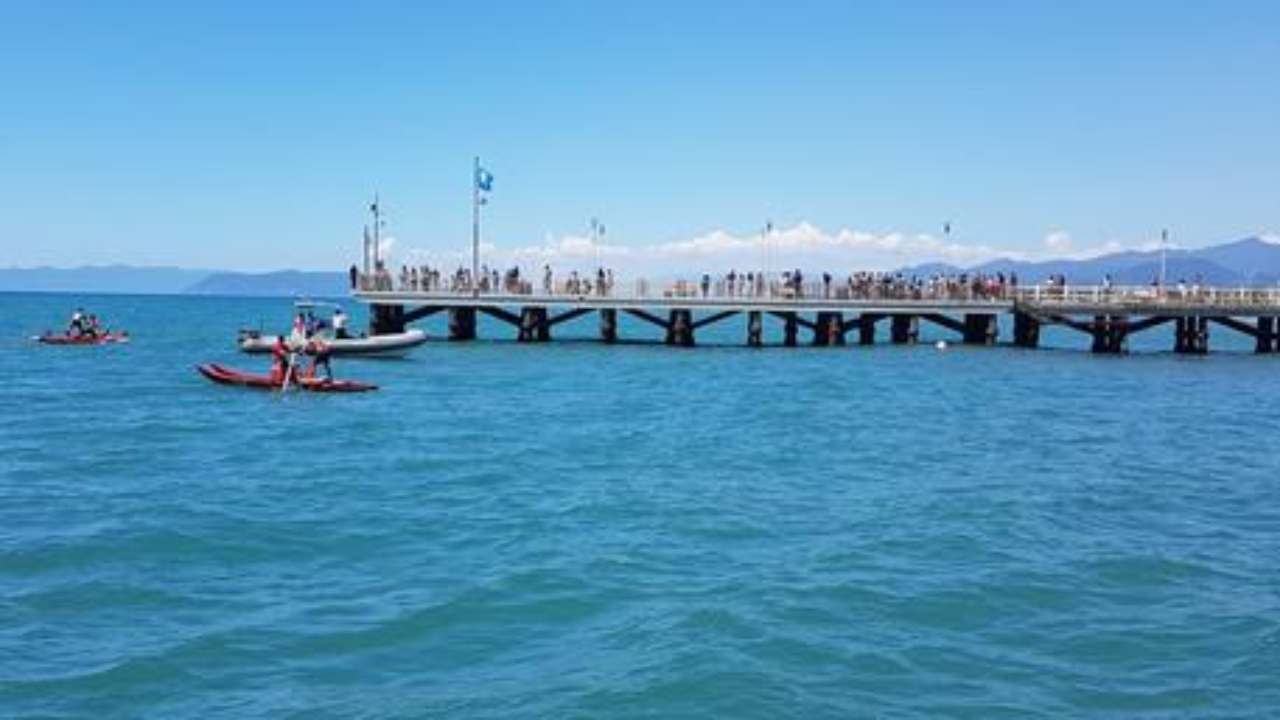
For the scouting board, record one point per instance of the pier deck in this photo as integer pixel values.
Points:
(1108, 315)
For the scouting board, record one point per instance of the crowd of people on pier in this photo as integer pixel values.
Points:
(860, 285)
(788, 284)
(428, 279)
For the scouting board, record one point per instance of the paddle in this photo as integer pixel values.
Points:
(288, 373)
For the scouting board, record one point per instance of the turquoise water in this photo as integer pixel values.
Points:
(575, 530)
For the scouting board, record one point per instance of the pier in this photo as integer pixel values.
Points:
(821, 315)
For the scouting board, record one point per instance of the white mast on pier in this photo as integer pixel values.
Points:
(597, 232)
(376, 210)
(1164, 244)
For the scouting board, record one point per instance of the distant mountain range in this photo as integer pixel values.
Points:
(1251, 261)
(101, 278)
(290, 283)
(172, 281)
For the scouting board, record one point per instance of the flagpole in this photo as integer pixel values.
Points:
(377, 233)
(475, 228)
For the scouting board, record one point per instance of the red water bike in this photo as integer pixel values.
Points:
(107, 338)
(229, 376)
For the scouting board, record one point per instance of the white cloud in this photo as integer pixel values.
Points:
(803, 246)
(1058, 241)
(1270, 237)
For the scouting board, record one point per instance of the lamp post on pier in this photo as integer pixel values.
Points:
(767, 237)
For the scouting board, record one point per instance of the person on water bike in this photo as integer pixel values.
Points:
(75, 328)
(319, 351)
(282, 362)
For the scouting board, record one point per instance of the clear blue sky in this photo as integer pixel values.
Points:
(252, 135)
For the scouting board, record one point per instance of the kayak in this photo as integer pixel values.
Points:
(105, 339)
(228, 376)
(389, 345)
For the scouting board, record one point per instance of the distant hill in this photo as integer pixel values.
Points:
(100, 279)
(1244, 262)
(1251, 261)
(931, 268)
(285, 283)
(172, 280)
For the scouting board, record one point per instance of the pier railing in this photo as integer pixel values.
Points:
(1046, 296)
(1145, 298)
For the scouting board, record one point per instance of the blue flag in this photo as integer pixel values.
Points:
(484, 180)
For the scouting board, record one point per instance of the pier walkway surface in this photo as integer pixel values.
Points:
(828, 314)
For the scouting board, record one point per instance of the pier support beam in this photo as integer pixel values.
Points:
(680, 328)
(609, 325)
(1026, 330)
(462, 323)
(1110, 334)
(755, 329)
(828, 329)
(790, 328)
(1191, 335)
(1268, 342)
(980, 329)
(904, 330)
(867, 328)
(386, 319)
(533, 325)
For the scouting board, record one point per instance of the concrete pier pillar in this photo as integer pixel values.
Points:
(1191, 335)
(533, 325)
(462, 323)
(980, 329)
(828, 329)
(386, 319)
(755, 329)
(609, 325)
(1267, 340)
(1026, 330)
(790, 328)
(680, 328)
(867, 329)
(1110, 334)
(904, 329)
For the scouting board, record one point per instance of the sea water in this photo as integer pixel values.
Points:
(581, 530)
